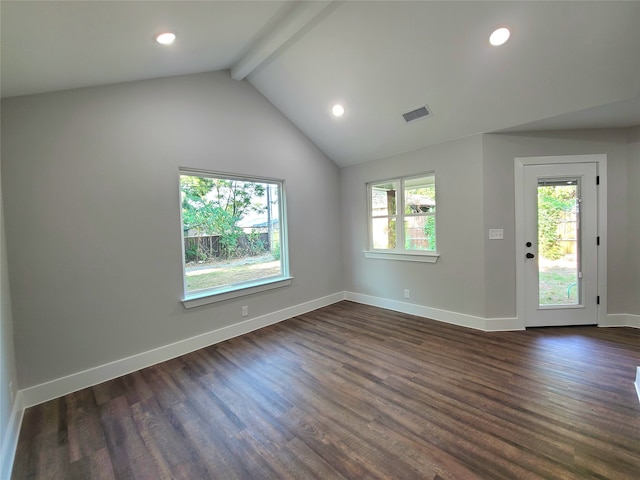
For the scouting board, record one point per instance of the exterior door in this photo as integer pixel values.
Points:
(560, 251)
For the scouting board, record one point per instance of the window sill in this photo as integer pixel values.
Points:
(206, 297)
(426, 257)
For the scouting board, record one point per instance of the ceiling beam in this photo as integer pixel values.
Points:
(293, 22)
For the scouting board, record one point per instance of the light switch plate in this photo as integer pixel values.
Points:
(496, 234)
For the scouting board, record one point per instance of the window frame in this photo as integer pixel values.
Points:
(200, 297)
(399, 252)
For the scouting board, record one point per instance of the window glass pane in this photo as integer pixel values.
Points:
(420, 195)
(403, 223)
(383, 199)
(420, 233)
(383, 232)
(558, 245)
(231, 231)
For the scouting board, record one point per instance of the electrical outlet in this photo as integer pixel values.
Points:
(496, 234)
(245, 311)
(407, 294)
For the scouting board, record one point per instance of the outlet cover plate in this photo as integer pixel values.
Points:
(496, 234)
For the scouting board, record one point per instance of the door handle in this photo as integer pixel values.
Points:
(529, 255)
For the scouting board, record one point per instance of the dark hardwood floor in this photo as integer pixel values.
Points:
(355, 392)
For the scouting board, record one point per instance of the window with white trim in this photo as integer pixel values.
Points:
(402, 215)
(233, 234)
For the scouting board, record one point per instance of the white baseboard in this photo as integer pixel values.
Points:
(10, 438)
(62, 386)
(503, 325)
(460, 319)
(620, 320)
(633, 321)
(56, 388)
(77, 381)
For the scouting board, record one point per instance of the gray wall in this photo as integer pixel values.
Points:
(92, 214)
(499, 153)
(456, 282)
(475, 192)
(7, 353)
(90, 175)
(634, 220)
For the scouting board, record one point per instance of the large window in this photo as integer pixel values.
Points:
(233, 232)
(402, 215)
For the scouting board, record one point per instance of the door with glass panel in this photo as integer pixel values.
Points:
(560, 251)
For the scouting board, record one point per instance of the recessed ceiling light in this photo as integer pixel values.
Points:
(166, 38)
(337, 110)
(499, 36)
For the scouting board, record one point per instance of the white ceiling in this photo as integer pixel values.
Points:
(567, 64)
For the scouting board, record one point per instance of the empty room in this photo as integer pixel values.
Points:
(320, 240)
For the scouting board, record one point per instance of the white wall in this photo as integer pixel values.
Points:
(456, 282)
(92, 214)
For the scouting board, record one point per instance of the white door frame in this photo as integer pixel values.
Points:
(520, 162)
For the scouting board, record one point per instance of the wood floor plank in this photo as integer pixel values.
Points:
(85, 434)
(356, 392)
(210, 449)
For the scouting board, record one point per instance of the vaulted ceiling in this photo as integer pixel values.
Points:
(566, 65)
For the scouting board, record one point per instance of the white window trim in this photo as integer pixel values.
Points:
(213, 295)
(398, 253)
(206, 297)
(425, 257)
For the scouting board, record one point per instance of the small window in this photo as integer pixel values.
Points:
(233, 232)
(402, 215)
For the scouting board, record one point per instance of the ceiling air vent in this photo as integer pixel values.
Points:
(418, 113)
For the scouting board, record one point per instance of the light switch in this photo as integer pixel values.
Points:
(496, 234)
